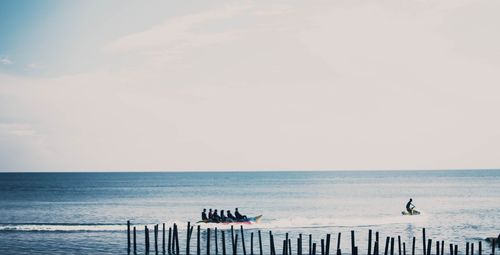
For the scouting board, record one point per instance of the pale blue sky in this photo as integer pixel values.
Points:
(250, 85)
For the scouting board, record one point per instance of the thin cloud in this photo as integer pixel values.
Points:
(6, 60)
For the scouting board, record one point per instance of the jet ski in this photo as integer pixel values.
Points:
(413, 212)
(249, 220)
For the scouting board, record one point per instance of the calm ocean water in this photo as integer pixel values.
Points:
(86, 213)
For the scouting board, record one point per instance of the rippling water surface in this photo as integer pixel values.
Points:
(85, 213)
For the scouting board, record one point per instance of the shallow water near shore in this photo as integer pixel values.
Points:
(86, 213)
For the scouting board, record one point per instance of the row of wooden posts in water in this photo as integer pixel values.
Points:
(171, 246)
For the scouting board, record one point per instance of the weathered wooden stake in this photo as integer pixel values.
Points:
(170, 240)
(480, 248)
(235, 244)
(322, 246)
(429, 247)
(188, 237)
(251, 243)
(353, 242)
(156, 238)
(413, 246)
(404, 248)
(198, 243)
(243, 241)
(163, 238)
(424, 240)
(399, 245)
(128, 235)
(223, 243)
(392, 245)
(387, 240)
(338, 243)
(314, 249)
(260, 244)
(208, 241)
(451, 249)
(328, 237)
(135, 241)
(471, 248)
(310, 244)
(216, 243)
(232, 240)
(369, 242)
(146, 238)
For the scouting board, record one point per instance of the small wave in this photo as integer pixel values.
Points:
(61, 227)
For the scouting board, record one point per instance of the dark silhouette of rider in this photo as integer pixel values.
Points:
(230, 216)
(222, 216)
(204, 215)
(239, 217)
(210, 214)
(410, 206)
(215, 217)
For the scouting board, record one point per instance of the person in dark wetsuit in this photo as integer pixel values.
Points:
(222, 216)
(204, 215)
(210, 214)
(410, 206)
(230, 217)
(239, 217)
(215, 216)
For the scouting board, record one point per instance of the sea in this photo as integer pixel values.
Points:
(87, 213)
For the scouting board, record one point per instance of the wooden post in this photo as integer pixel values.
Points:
(480, 248)
(322, 246)
(429, 247)
(188, 237)
(135, 241)
(156, 238)
(451, 249)
(216, 243)
(455, 250)
(146, 238)
(404, 248)
(271, 243)
(387, 240)
(260, 244)
(170, 240)
(328, 237)
(290, 246)
(437, 247)
(369, 242)
(314, 249)
(375, 248)
(413, 246)
(251, 243)
(392, 245)
(235, 249)
(424, 240)
(399, 245)
(338, 243)
(442, 247)
(377, 241)
(243, 241)
(223, 243)
(310, 244)
(128, 235)
(208, 241)
(177, 248)
(232, 240)
(285, 247)
(163, 239)
(353, 243)
(471, 248)
(299, 248)
(198, 243)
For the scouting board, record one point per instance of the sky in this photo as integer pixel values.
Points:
(249, 85)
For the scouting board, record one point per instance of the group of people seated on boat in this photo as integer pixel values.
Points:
(214, 216)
